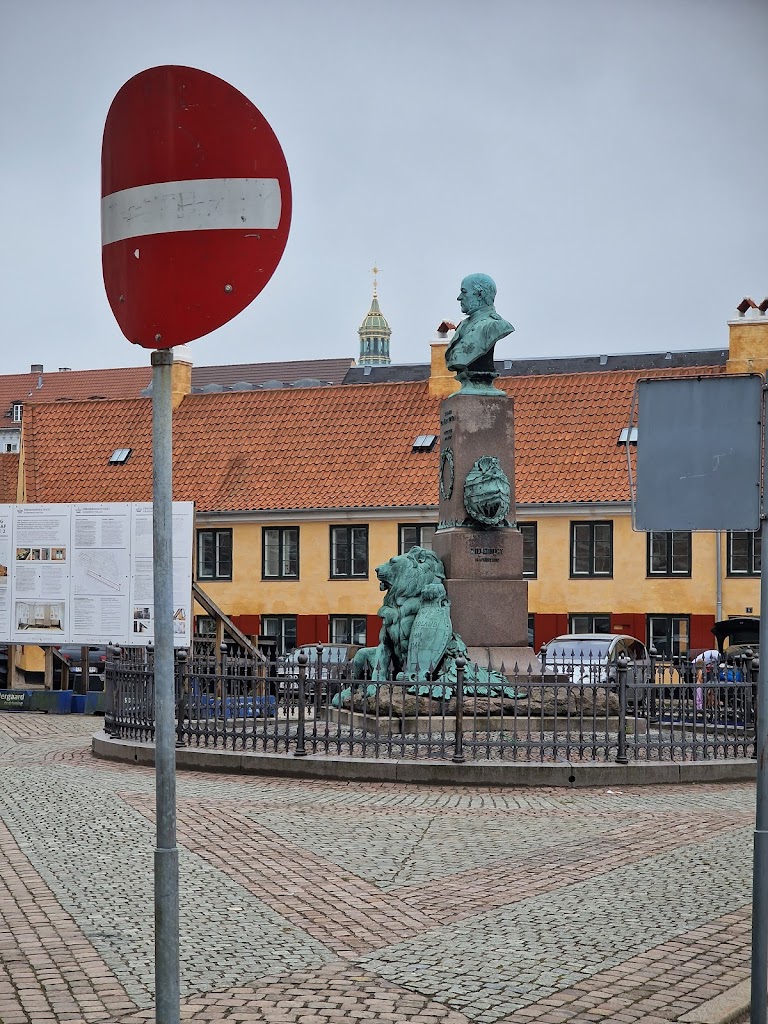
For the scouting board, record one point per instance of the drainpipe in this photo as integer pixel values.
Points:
(719, 576)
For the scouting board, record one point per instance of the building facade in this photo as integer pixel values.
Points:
(301, 492)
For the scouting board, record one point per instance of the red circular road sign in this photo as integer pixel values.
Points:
(195, 208)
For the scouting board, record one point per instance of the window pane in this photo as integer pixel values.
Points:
(224, 551)
(602, 549)
(528, 531)
(409, 538)
(740, 552)
(291, 552)
(580, 624)
(340, 551)
(359, 551)
(205, 554)
(679, 636)
(339, 629)
(427, 536)
(601, 624)
(756, 559)
(289, 633)
(681, 552)
(271, 552)
(581, 536)
(659, 549)
(359, 631)
(658, 630)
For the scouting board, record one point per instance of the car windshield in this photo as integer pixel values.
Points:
(591, 650)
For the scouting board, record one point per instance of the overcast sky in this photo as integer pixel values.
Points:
(603, 160)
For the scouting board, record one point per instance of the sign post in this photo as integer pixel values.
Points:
(701, 443)
(195, 214)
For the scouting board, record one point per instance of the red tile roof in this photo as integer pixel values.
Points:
(9, 476)
(334, 447)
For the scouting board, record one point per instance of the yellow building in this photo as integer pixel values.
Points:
(300, 492)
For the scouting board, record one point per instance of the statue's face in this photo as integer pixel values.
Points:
(468, 298)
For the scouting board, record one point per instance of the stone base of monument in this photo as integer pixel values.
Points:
(489, 613)
(519, 726)
(543, 709)
(518, 663)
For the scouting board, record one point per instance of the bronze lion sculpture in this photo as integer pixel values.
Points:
(417, 642)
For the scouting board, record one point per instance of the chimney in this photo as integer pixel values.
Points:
(441, 381)
(748, 338)
(181, 381)
(36, 368)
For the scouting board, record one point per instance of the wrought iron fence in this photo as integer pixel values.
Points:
(576, 711)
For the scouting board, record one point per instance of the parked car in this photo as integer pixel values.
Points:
(97, 663)
(335, 665)
(740, 631)
(591, 659)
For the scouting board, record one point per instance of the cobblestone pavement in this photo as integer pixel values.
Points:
(316, 902)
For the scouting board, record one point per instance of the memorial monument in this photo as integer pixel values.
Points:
(477, 537)
(467, 599)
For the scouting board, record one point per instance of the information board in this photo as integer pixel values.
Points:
(699, 448)
(82, 573)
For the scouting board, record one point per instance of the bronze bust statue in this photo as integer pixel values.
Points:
(470, 353)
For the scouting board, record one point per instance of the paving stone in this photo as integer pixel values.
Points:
(322, 901)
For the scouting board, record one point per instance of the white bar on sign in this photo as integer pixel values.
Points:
(199, 205)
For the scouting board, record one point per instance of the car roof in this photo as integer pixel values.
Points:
(568, 637)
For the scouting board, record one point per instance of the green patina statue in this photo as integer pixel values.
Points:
(470, 353)
(417, 642)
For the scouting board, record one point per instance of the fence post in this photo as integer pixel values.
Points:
(109, 691)
(653, 655)
(300, 750)
(754, 675)
(182, 695)
(622, 665)
(458, 736)
(319, 677)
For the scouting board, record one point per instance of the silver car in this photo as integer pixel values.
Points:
(591, 658)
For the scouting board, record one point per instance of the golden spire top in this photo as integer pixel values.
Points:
(375, 271)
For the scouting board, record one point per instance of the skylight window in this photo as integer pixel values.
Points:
(628, 436)
(119, 456)
(424, 442)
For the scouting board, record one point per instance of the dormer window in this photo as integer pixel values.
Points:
(16, 410)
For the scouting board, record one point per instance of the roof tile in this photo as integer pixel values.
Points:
(333, 447)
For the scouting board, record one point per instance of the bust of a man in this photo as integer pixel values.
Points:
(470, 353)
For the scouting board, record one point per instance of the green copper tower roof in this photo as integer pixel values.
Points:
(374, 333)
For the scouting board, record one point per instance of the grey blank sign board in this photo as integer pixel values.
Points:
(698, 453)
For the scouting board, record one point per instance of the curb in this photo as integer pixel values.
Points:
(726, 1008)
(563, 774)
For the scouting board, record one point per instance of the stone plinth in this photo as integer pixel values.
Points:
(472, 426)
(490, 613)
(483, 565)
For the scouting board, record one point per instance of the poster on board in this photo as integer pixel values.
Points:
(82, 573)
(40, 573)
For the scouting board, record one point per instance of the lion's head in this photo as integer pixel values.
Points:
(417, 573)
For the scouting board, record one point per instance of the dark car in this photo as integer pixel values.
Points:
(740, 631)
(72, 655)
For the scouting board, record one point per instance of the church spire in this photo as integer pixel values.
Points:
(374, 332)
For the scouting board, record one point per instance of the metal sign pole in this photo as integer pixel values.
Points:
(760, 862)
(166, 853)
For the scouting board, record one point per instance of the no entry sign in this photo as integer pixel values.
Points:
(195, 208)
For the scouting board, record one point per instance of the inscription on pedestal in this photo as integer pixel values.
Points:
(480, 554)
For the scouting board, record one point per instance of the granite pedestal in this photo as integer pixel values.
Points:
(483, 565)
